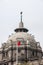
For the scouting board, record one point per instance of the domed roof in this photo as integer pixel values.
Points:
(21, 35)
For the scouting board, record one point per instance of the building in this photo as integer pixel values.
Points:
(20, 47)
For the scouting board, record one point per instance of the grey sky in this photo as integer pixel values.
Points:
(32, 17)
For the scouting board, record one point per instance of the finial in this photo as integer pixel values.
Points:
(21, 16)
(21, 23)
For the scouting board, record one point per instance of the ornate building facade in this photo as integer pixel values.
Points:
(20, 47)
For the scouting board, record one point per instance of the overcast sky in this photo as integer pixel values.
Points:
(32, 18)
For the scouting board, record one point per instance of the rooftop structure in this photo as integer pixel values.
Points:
(20, 47)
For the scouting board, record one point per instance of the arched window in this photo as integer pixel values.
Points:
(33, 53)
(19, 50)
(36, 53)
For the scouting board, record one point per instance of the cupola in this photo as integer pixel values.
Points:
(21, 26)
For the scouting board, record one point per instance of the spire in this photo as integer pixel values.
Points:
(21, 16)
(21, 26)
(21, 23)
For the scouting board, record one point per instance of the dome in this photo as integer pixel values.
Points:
(20, 46)
(21, 35)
